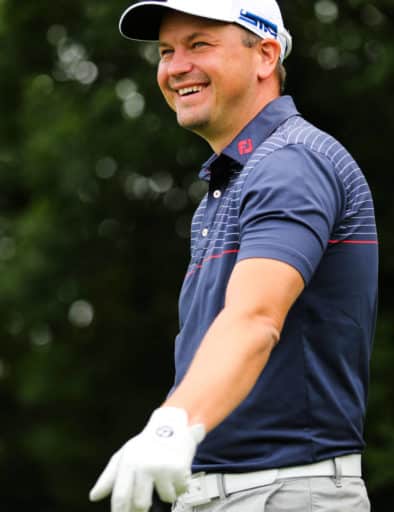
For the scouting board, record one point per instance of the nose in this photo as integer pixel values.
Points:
(179, 64)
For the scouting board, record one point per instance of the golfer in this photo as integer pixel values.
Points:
(278, 305)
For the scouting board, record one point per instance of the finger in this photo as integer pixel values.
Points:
(165, 489)
(181, 482)
(142, 492)
(121, 500)
(106, 480)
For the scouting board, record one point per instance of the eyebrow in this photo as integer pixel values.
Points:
(189, 38)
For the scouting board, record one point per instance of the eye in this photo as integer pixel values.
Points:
(165, 52)
(199, 44)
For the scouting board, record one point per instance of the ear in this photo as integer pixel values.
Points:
(269, 55)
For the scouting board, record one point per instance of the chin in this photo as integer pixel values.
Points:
(192, 123)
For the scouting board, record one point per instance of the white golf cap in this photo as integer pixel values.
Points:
(142, 20)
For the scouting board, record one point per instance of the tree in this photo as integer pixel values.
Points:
(98, 186)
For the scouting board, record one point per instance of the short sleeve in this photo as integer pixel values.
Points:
(289, 206)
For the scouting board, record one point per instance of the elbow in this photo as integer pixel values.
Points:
(270, 330)
(266, 332)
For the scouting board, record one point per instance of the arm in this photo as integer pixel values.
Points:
(231, 357)
(238, 344)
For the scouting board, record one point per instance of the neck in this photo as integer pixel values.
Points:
(220, 140)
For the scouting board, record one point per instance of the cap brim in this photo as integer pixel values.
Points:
(142, 22)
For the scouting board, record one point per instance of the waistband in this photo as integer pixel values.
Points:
(205, 487)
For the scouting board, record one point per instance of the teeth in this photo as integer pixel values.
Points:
(189, 90)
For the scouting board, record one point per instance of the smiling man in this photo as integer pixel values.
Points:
(278, 306)
(214, 93)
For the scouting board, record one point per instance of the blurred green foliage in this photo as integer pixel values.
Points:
(97, 188)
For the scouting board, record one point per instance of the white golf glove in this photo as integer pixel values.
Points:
(160, 456)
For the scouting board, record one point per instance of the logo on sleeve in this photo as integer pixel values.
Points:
(245, 147)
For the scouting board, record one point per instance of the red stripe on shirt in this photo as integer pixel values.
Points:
(213, 257)
(354, 242)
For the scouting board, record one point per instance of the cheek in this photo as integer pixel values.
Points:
(162, 81)
(161, 76)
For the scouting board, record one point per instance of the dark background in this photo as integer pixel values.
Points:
(97, 187)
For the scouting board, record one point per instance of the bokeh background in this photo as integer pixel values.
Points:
(97, 188)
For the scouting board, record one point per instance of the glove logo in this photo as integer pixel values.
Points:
(165, 431)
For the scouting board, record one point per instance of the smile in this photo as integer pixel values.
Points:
(187, 91)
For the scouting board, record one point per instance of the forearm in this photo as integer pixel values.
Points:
(230, 359)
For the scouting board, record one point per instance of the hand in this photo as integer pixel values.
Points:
(160, 456)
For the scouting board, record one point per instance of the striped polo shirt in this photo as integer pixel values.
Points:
(285, 190)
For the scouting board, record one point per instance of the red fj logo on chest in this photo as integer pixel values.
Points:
(245, 147)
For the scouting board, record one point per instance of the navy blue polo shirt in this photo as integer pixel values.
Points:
(285, 190)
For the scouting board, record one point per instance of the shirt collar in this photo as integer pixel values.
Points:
(255, 133)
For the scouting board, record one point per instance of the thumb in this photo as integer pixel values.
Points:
(106, 480)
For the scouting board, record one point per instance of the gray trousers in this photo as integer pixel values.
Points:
(314, 494)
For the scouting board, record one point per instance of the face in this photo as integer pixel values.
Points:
(207, 76)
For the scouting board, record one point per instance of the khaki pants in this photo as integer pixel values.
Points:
(314, 494)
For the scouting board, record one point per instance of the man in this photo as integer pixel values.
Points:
(278, 306)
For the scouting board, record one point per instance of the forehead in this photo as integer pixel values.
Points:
(174, 24)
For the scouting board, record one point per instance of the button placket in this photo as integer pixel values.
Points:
(206, 228)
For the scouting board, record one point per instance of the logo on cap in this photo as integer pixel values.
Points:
(245, 147)
(261, 23)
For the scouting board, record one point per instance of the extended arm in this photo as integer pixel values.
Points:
(231, 357)
(239, 342)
